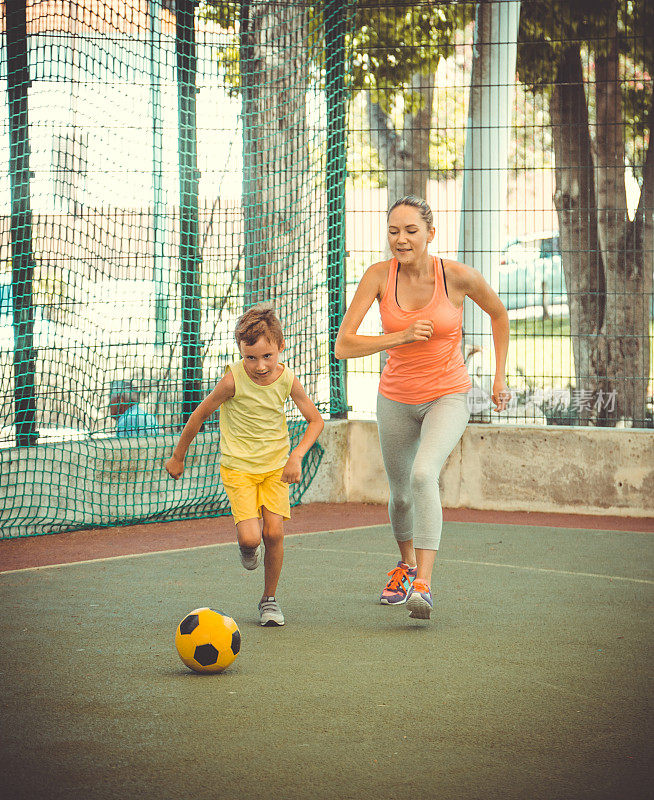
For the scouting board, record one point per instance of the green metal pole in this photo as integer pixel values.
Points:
(188, 223)
(254, 202)
(159, 277)
(22, 256)
(334, 18)
(248, 121)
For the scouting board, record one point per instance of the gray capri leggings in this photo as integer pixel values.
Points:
(415, 442)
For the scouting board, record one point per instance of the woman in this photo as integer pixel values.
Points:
(422, 407)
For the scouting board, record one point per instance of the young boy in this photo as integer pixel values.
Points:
(255, 465)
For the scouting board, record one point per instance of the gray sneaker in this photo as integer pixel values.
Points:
(250, 556)
(270, 613)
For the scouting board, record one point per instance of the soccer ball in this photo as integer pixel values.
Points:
(207, 641)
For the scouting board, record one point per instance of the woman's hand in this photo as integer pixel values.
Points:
(350, 344)
(501, 394)
(419, 331)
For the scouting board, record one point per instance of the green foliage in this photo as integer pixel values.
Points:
(636, 19)
(223, 12)
(388, 44)
(363, 164)
(227, 15)
(446, 152)
(531, 142)
(391, 43)
(637, 40)
(447, 135)
(229, 64)
(547, 27)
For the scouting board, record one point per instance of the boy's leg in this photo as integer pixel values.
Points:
(248, 533)
(273, 539)
(273, 499)
(241, 490)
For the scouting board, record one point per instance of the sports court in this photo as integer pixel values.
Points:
(168, 165)
(532, 680)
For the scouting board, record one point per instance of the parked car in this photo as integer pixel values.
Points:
(531, 273)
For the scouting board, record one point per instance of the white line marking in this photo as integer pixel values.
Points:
(491, 564)
(555, 571)
(174, 550)
(331, 550)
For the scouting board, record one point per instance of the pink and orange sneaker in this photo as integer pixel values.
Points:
(396, 590)
(419, 601)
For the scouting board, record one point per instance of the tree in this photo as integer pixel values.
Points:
(397, 47)
(607, 257)
(273, 80)
(395, 50)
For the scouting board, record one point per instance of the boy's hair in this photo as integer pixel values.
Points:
(417, 203)
(258, 321)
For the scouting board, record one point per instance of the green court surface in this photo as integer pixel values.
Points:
(531, 681)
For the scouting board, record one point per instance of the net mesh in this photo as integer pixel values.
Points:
(172, 162)
(169, 168)
(542, 153)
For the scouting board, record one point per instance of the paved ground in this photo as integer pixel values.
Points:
(531, 681)
(63, 548)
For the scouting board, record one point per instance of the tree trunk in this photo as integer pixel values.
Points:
(620, 356)
(643, 232)
(405, 155)
(574, 199)
(277, 189)
(417, 131)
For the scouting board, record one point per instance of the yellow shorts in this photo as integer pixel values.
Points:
(247, 493)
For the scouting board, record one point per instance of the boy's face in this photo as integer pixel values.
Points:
(261, 360)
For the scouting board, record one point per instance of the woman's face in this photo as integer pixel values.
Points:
(408, 235)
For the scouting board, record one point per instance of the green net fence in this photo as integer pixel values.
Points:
(527, 127)
(170, 164)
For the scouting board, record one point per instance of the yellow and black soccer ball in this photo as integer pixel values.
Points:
(207, 640)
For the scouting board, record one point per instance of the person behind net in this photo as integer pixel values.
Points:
(422, 408)
(130, 417)
(255, 465)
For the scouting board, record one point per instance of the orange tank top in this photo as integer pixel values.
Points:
(422, 371)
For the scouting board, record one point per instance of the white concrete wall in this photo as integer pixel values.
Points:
(502, 467)
(505, 467)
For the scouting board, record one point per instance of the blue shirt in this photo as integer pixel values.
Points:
(137, 422)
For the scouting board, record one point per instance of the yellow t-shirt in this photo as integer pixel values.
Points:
(253, 429)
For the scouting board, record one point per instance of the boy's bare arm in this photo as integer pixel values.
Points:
(293, 469)
(223, 390)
